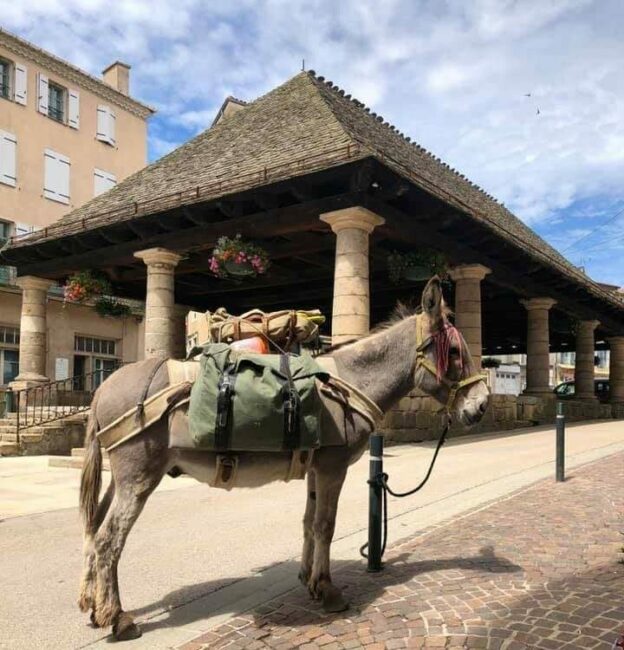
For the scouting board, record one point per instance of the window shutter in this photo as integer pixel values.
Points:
(105, 125)
(112, 123)
(56, 177)
(42, 105)
(102, 181)
(22, 229)
(21, 83)
(8, 158)
(73, 109)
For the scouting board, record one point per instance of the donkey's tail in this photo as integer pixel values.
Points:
(91, 478)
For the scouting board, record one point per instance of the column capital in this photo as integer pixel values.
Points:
(354, 217)
(153, 256)
(538, 303)
(588, 325)
(33, 282)
(615, 342)
(469, 272)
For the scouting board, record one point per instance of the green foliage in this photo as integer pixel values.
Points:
(433, 261)
(490, 362)
(108, 306)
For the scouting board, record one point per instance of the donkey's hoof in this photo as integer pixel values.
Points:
(304, 577)
(333, 600)
(93, 619)
(125, 629)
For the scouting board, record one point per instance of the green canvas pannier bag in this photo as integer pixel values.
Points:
(255, 402)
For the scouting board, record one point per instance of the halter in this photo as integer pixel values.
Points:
(421, 360)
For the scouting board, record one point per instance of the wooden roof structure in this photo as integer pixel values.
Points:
(267, 171)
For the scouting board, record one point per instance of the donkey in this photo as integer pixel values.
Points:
(420, 349)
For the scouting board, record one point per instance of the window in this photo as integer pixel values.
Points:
(9, 365)
(95, 346)
(56, 177)
(5, 79)
(9, 353)
(105, 125)
(9, 335)
(56, 102)
(102, 181)
(8, 159)
(5, 232)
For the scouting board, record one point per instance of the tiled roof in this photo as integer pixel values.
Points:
(304, 125)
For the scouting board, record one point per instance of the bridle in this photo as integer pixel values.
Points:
(422, 361)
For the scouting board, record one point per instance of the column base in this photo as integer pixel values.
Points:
(28, 380)
(538, 392)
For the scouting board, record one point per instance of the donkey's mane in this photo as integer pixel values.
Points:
(401, 312)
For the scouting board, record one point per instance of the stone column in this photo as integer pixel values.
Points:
(584, 362)
(351, 307)
(467, 279)
(179, 338)
(616, 369)
(33, 335)
(538, 352)
(160, 316)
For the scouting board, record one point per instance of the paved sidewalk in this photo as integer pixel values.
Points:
(539, 569)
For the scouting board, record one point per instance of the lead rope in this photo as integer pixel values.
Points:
(382, 481)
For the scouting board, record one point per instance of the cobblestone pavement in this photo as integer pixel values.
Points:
(539, 569)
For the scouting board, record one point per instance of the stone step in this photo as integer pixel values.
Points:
(8, 448)
(74, 461)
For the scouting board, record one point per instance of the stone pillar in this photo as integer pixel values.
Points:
(467, 279)
(538, 352)
(351, 307)
(33, 335)
(616, 369)
(584, 363)
(160, 316)
(179, 337)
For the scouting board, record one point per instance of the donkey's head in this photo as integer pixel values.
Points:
(444, 366)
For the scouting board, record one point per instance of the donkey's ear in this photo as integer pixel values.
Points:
(432, 299)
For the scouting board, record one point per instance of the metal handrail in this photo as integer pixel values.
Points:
(55, 400)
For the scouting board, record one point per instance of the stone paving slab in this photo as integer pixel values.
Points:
(539, 569)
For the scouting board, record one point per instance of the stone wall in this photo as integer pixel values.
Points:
(417, 417)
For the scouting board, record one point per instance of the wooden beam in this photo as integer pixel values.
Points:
(281, 221)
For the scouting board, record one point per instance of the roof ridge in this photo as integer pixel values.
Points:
(339, 92)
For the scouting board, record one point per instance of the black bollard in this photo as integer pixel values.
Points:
(560, 452)
(375, 504)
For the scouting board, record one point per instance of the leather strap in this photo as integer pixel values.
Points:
(422, 361)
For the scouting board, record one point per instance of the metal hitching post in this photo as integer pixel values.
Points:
(560, 459)
(375, 504)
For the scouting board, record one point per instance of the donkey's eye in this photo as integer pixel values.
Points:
(454, 351)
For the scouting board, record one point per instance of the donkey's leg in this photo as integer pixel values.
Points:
(307, 555)
(330, 475)
(86, 599)
(128, 502)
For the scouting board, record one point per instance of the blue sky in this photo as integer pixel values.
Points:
(525, 97)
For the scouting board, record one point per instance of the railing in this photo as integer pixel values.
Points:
(55, 400)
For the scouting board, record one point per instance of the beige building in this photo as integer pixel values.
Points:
(65, 137)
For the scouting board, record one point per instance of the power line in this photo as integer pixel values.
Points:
(591, 232)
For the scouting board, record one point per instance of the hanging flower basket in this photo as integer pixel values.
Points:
(236, 258)
(85, 285)
(416, 266)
